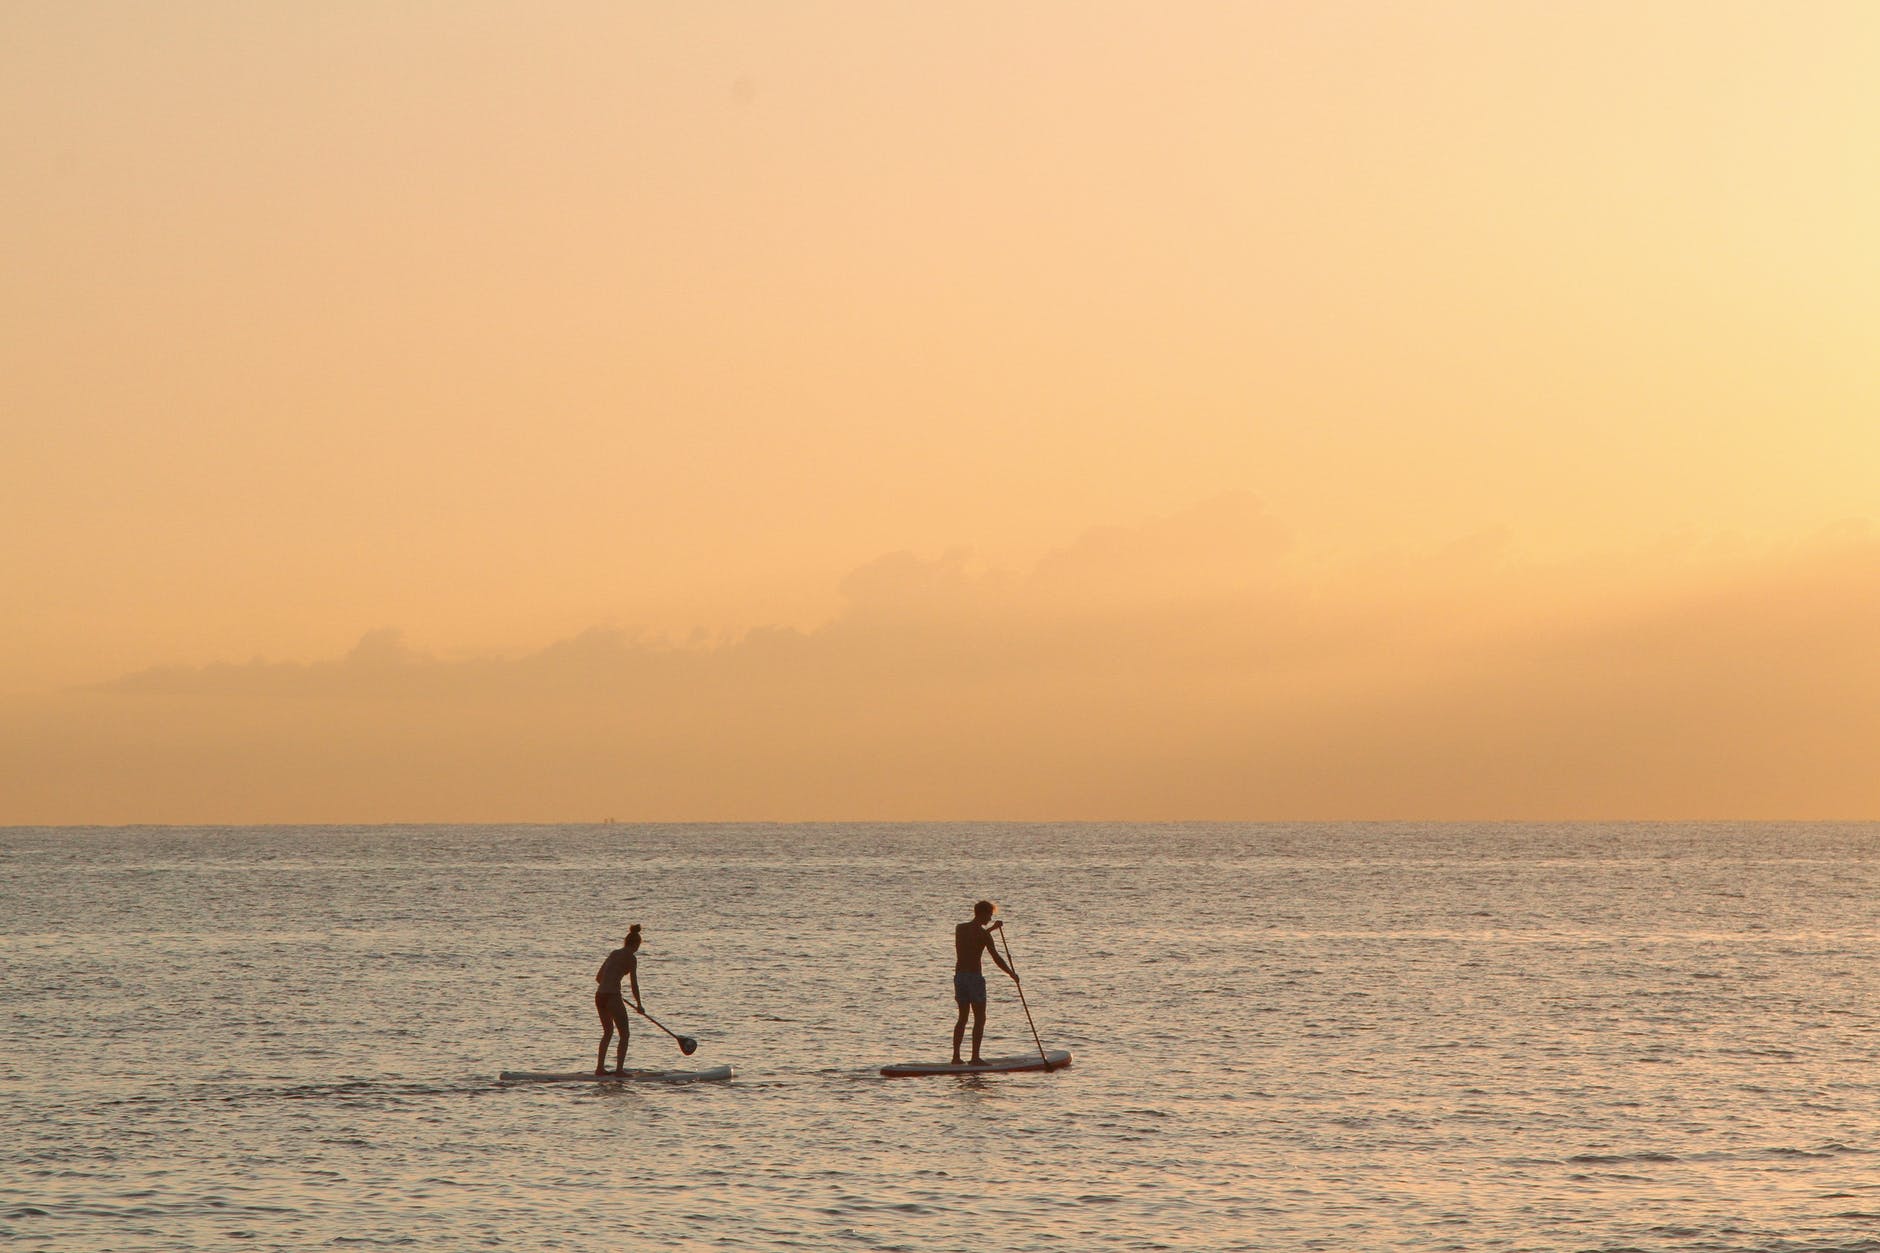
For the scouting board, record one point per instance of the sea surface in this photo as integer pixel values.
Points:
(1386, 1036)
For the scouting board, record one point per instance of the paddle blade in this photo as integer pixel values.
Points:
(687, 1045)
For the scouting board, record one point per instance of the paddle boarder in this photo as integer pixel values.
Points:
(970, 941)
(622, 963)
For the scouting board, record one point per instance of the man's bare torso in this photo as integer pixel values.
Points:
(970, 941)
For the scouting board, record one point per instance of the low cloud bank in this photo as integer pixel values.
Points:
(1198, 666)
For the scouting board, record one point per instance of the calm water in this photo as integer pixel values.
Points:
(1323, 1037)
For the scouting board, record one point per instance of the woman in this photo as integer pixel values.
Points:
(622, 962)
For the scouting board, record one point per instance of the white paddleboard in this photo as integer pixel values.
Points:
(1053, 1059)
(632, 1076)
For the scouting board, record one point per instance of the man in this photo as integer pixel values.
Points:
(970, 940)
(623, 962)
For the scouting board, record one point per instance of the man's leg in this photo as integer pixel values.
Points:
(959, 1032)
(979, 1027)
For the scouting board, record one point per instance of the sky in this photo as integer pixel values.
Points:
(503, 412)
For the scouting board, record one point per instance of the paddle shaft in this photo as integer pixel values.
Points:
(682, 1039)
(1021, 999)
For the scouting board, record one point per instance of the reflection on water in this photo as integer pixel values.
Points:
(1535, 1038)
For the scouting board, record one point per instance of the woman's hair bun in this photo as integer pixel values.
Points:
(633, 929)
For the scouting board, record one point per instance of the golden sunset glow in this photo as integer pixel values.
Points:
(1052, 410)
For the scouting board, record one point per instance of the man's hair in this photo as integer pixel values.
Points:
(984, 910)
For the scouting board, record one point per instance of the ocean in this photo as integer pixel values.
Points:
(1287, 1037)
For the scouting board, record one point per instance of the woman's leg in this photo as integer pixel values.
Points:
(626, 1032)
(607, 1034)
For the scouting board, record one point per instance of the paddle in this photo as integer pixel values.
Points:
(1021, 998)
(687, 1044)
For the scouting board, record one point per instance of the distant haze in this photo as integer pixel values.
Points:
(1036, 410)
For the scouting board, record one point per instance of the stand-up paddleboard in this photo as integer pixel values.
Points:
(1053, 1059)
(632, 1076)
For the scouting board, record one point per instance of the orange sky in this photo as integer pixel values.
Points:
(892, 410)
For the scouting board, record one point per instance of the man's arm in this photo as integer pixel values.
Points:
(992, 951)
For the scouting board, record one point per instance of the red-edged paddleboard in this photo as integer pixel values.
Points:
(1053, 1059)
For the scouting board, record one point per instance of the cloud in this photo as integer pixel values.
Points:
(1196, 666)
(381, 658)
